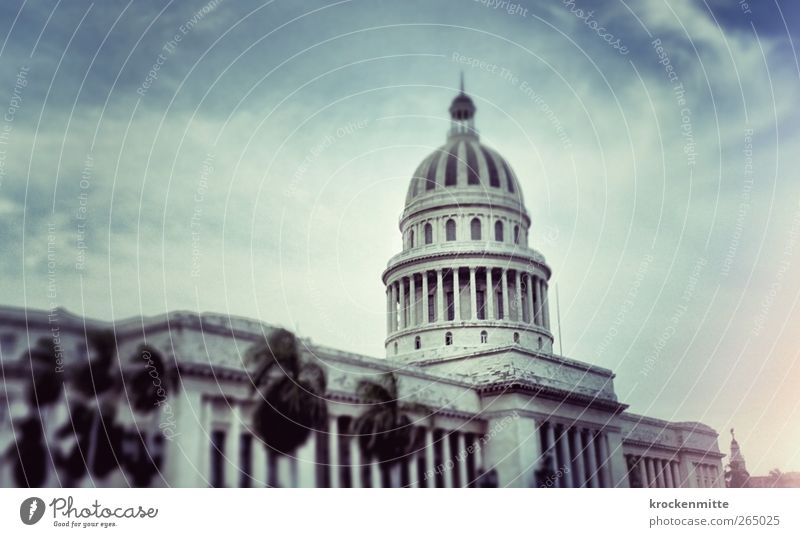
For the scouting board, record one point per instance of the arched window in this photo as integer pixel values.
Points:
(411, 238)
(498, 231)
(428, 233)
(448, 338)
(395, 347)
(475, 229)
(540, 342)
(417, 343)
(484, 336)
(516, 234)
(516, 337)
(450, 230)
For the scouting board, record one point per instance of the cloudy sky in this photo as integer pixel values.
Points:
(252, 158)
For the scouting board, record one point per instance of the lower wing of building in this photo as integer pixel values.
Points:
(504, 416)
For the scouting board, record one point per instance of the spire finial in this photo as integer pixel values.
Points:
(462, 81)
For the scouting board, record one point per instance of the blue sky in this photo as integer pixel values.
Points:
(680, 274)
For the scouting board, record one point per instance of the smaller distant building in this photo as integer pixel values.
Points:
(737, 476)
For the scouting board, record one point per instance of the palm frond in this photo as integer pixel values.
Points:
(313, 376)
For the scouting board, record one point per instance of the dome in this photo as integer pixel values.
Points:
(464, 163)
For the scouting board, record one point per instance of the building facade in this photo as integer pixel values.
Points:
(468, 336)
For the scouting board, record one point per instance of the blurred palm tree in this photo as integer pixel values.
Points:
(93, 426)
(30, 453)
(290, 397)
(148, 382)
(385, 432)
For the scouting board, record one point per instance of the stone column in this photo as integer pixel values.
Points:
(545, 306)
(651, 477)
(529, 289)
(413, 462)
(388, 311)
(439, 296)
(608, 477)
(591, 460)
(536, 302)
(412, 302)
(565, 468)
(550, 438)
(580, 476)
(306, 460)
(425, 306)
(461, 460)
(489, 295)
(676, 475)
(333, 450)
(504, 279)
(232, 453)
(456, 296)
(430, 476)
(395, 321)
(660, 474)
(375, 475)
(403, 317)
(259, 463)
(640, 466)
(448, 472)
(355, 462)
(473, 295)
(518, 295)
(667, 469)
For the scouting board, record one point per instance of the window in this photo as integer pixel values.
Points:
(417, 343)
(448, 338)
(428, 233)
(484, 336)
(411, 238)
(450, 230)
(475, 229)
(395, 347)
(540, 342)
(498, 231)
(516, 337)
(516, 234)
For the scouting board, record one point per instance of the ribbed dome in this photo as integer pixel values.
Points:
(464, 163)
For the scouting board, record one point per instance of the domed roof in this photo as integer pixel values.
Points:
(463, 162)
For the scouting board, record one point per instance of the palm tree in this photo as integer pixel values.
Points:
(98, 437)
(30, 453)
(385, 433)
(148, 382)
(290, 396)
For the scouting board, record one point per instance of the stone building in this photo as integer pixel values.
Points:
(468, 335)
